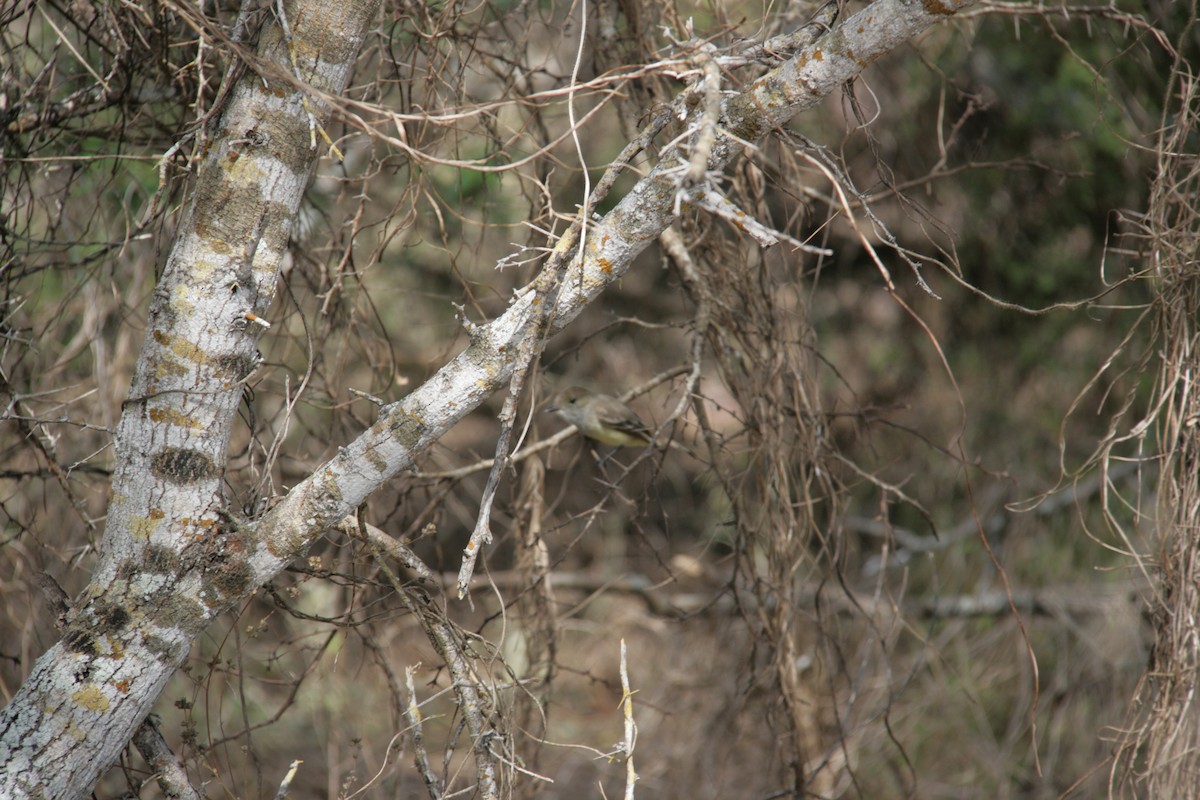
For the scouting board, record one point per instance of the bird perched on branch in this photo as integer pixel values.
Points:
(607, 420)
(601, 418)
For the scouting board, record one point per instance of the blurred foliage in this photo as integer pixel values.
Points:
(1000, 148)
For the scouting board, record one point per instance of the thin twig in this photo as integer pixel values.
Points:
(630, 740)
(412, 712)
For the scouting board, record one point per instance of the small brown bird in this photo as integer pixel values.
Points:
(602, 418)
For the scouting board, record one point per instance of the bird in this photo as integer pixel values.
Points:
(607, 420)
(601, 418)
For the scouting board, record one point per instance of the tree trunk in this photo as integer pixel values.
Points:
(173, 556)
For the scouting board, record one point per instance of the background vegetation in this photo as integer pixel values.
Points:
(955, 592)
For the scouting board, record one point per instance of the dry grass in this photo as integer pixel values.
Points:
(1159, 750)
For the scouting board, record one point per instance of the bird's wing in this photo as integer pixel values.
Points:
(616, 414)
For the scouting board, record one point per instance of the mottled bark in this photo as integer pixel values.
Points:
(173, 556)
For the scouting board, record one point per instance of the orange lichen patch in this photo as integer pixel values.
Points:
(173, 417)
(937, 7)
(190, 351)
(247, 172)
(818, 55)
(202, 268)
(181, 347)
(142, 527)
(91, 698)
(181, 298)
(169, 369)
(109, 647)
(122, 687)
(605, 266)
